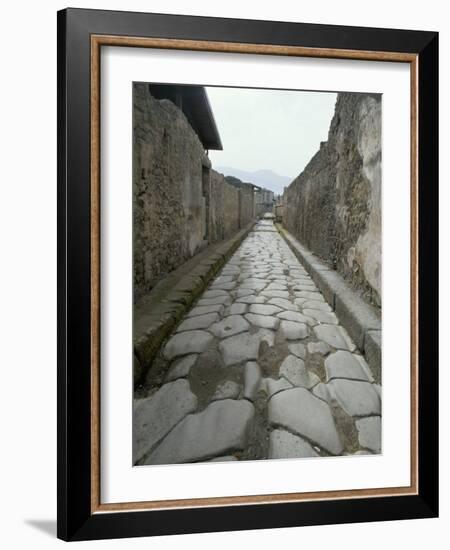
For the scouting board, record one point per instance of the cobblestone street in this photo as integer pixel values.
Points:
(259, 368)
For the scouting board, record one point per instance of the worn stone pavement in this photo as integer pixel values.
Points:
(259, 368)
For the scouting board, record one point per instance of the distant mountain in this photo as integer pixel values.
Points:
(264, 178)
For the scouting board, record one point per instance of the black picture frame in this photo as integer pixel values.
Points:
(76, 520)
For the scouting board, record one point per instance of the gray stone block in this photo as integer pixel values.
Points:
(300, 412)
(231, 325)
(294, 370)
(355, 315)
(329, 282)
(283, 444)
(219, 429)
(244, 346)
(343, 364)
(184, 343)
(155, 416)
(356, 397)
(369, 433)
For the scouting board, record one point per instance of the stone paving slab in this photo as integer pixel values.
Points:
(314, 304)
(334, 336)
(297, 317)
(283, 444)
(283, 303)
(319, 347)
(155, 416)
(236, 309)
(297, 349)
(245, 346)
(369, 433)
(183, 343)
(203, 310)
(198, 322)
(275, 293)
(294, 370)
(233, 324)
(251, 299)
(272, 387)
(276, 286)
(294, 331)
(218, 430)
(181, 367)
(264, 309)
(356, 316)
(302, 413)
(343, 364)
(263, 321)
(310, 295)
(241, 292)
(321, 316)
(223, 299)
(322, 391)
(355, 397)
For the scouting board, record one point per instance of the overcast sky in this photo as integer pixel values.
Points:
(269, 129)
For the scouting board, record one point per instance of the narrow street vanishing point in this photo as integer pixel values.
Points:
(259, 368)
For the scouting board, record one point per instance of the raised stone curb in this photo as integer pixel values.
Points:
(157, 314)
(355, 315)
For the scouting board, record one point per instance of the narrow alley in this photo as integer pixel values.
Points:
(260, 367)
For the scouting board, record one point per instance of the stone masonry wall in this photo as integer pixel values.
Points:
(179, 204)
(224, 219)
(334, 206)
(231, 206)
(247, 210)
(167, 188)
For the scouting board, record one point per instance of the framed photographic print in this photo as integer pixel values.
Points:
(247, 254)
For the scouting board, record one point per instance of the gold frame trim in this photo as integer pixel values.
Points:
(97, 41)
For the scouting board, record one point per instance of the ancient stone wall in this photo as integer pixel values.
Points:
(167, 189)
(334, 206)
(230, 207)
(180, 204)
(224, 206)
(247, 210)
(216, 219)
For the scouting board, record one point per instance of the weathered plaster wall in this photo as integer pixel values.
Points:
(334, 206)
(179, 203)
(167, 188)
